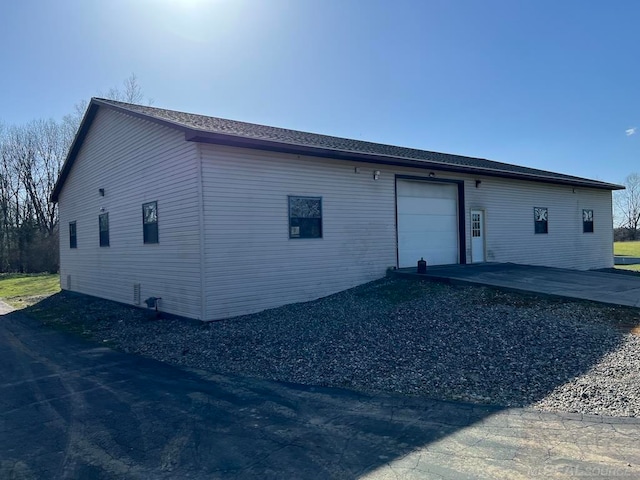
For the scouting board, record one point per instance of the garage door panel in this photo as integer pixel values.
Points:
(433, 256)
(427, 222)
(415, 245)
(418, 224)
(430, 237)
(435, 206)
(407, 188)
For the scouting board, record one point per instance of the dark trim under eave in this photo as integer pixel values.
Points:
(280, 147)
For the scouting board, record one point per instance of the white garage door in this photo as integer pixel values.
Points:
(427, 222)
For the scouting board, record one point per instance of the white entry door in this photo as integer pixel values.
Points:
(477, 236)
(427, 222)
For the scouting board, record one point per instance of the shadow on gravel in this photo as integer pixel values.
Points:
(74, 410)
(118, 414)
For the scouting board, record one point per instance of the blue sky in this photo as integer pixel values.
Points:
(548, 84)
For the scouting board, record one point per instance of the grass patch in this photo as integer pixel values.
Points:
(71, 312)
(631, 249)
(22, 290)
(87, 316)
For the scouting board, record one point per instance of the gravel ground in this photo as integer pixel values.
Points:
(394, 335)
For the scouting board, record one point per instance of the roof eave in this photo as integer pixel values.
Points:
(283, 147)
(196, 135)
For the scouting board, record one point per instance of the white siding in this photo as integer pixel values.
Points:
(251, 262)
(509, 223)
(135, 161)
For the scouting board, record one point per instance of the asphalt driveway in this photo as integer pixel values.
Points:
(72, 409)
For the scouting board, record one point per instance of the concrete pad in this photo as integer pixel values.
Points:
(624, 260)
(609, 288)
(5, 308)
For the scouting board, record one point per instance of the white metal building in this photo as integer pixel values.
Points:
(222, 218)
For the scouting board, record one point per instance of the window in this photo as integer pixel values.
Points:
(305, 217)
(475, 225)
(73, 239)
(103, 220)
(150, 222)
(541, 219)
(587, 221)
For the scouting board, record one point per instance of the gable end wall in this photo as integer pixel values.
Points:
(135, 162)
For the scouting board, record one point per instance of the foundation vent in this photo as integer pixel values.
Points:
(136, 294)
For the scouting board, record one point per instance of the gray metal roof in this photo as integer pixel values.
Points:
(249, 135)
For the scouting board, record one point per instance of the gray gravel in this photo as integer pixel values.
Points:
(395, 335)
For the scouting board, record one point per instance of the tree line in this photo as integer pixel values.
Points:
(31, 157)
(627, 208)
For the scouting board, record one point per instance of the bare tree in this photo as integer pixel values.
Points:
(16, 151)
(50, 148)
(31, 158)
(130, 93)
(627, 205)
(71, 121)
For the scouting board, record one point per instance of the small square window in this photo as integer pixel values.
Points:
(73, 239)
(305, 217)
(587, 221)
(103, 220)
(150, 222)
(541, 220)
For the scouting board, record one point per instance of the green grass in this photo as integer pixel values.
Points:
(631, 249)
(21, 290)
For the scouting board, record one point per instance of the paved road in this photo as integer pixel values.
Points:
(71, 409)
